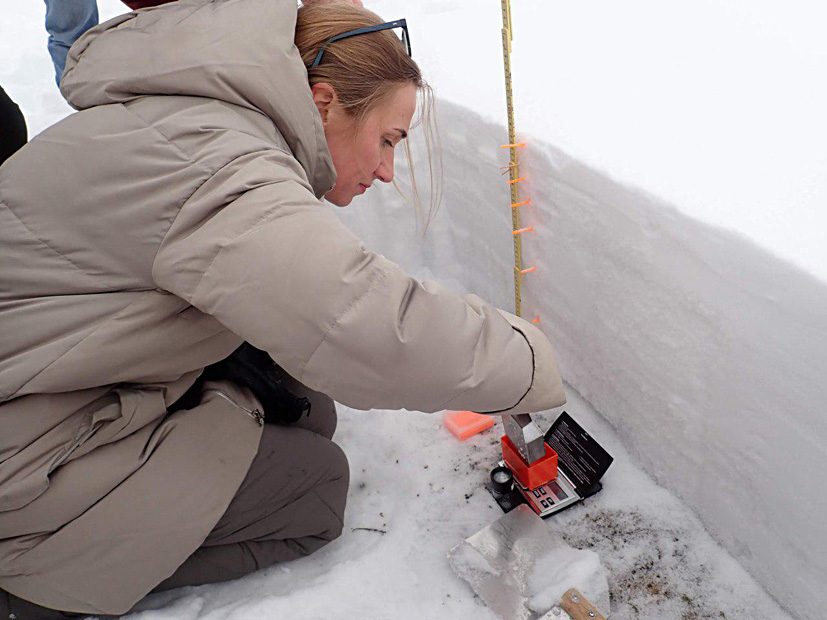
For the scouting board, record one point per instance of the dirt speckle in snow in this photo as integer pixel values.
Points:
(650, 565)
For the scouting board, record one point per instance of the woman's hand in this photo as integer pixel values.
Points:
(353, 2)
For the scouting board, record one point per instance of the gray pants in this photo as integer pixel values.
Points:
(290, 504)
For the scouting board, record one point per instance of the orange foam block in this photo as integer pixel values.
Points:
(464, 424)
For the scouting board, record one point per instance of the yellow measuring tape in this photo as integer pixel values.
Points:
(514, 163)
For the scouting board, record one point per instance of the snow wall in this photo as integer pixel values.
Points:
(707, 353)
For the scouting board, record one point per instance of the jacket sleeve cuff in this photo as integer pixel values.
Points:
(546, 389)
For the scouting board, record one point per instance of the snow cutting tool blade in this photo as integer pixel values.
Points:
(522, 569)
(526, 436)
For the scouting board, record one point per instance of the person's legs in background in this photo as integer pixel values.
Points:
(14, 134)
(66, 22)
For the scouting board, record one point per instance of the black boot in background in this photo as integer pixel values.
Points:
(256, 370)
(15, 608)
(14, 133)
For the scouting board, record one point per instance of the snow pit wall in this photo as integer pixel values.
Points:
(706, 353)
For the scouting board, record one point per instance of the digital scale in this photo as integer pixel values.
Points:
(581, 463)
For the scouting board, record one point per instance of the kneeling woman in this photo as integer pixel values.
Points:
(147, 237)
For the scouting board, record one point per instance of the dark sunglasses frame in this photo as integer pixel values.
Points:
(399, 23)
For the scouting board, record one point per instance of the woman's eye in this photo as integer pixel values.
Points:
(389, 143)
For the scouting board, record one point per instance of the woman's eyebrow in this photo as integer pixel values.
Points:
(402, 132)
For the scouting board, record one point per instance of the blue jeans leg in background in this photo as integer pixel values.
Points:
(66, 20)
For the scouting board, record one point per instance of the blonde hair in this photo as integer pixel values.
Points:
(364, 70)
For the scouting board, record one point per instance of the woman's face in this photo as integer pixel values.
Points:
(363, 153)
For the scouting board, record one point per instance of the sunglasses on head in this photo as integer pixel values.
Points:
(399, 23)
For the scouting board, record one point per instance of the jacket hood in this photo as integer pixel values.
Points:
(238, 51)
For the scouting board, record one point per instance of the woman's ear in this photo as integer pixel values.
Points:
(324, 97)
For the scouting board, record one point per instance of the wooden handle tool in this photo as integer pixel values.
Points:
(578, 607)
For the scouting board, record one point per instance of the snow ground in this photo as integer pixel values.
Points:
(422, 489)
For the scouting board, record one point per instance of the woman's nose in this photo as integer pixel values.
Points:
(385, 170)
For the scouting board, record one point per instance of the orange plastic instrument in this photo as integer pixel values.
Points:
(464, 424)
(531, 476)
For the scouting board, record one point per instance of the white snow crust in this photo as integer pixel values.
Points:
(555, 574)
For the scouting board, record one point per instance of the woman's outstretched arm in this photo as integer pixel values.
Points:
(254, 248)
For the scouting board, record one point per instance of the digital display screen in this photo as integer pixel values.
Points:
(555, 488)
